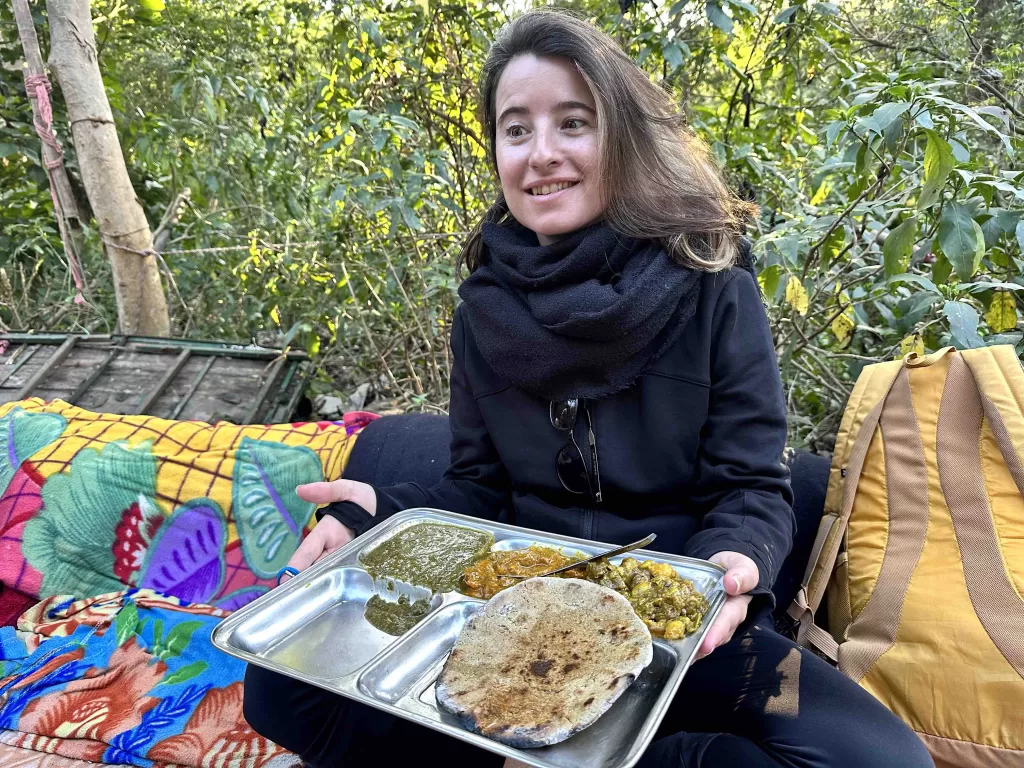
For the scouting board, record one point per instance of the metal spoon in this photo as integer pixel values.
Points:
(610, 553)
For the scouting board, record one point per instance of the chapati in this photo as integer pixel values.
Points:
(543, 660)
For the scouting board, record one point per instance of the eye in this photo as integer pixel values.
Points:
(515, 131)
(574, 124)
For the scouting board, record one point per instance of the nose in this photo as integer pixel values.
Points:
(546, 151)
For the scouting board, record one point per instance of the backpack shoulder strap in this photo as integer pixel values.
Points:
(1000, 378)
(860, 421)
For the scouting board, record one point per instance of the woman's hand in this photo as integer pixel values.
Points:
(329, 535)
(740, 577)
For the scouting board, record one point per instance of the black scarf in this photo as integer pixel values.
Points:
(582, 317)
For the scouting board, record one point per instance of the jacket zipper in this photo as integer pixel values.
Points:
(588, 523)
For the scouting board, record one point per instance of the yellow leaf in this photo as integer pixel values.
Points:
(912, 343)
(822, 193)
(1002, 312)
(796, 295)
(275, 316)
(843, 327)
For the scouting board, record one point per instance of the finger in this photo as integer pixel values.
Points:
(308, 552)
(740, 579)
(344, 538)
(729, 618)
(323, 493)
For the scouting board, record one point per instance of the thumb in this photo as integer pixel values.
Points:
(324, 493)
(741, 575)
(740, 579)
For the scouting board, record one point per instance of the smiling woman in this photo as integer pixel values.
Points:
(611, 304)
(563, 105)
(548, 147)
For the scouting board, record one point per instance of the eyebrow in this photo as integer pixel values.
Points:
(562, 106)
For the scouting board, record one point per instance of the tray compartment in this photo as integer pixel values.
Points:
(318, 629)
(401, 667)
(609, 741)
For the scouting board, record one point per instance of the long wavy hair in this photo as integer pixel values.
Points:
(660, 180)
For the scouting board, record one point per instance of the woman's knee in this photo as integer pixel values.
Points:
(873, 745)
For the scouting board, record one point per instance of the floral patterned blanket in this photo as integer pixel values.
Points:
(93, 502)
(139, 534)
(127, 678)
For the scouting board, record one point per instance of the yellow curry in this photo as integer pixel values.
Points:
(668, 604)
(484, 579)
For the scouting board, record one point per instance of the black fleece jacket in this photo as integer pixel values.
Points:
(692, 451)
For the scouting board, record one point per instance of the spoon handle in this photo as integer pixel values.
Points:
(610, 553)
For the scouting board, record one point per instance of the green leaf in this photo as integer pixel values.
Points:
(270, 516)
(23, 434)
(1020, 235)
(404, 122)
(673, 55)
(963, 324)
(718, 17)
(921, 280)
(332, 142)
(826, 9)
(178, 638)
(989, 285)
(769, 281)
(7, 149)
(885, 114)
(898, 247)
(941, 269)
(961, 239)
(211, 106)
(786, 14)
(748, 7)
(187, 672)
(126, 622)
(938, 162)
(153, 6)
(833, 131)
(960, 152)
(412, 221)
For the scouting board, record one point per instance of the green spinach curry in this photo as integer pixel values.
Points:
(431, 555)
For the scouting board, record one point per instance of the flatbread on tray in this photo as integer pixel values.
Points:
(543, 660)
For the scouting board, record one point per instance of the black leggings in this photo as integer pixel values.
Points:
(758, 701)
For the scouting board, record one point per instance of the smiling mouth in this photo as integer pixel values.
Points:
(550, 189)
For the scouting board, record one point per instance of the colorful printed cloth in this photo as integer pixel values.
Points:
(130, 677)
(16, 757)
(93, 503)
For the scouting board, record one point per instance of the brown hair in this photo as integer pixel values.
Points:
(660, 180)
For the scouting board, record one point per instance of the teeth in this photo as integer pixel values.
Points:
(547, 189)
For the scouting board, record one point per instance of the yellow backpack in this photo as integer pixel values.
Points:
(921, 551)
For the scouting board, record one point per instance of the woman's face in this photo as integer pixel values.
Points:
(547, 146)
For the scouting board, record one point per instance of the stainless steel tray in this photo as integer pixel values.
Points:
(312, 628)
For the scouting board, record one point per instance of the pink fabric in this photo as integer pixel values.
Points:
(12, 605)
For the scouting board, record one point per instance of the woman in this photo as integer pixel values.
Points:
(613, 375)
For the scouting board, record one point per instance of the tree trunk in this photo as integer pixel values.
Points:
(141, 302)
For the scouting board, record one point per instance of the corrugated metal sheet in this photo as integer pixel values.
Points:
(170, 378)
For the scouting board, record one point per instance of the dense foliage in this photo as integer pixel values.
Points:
(318, 164)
